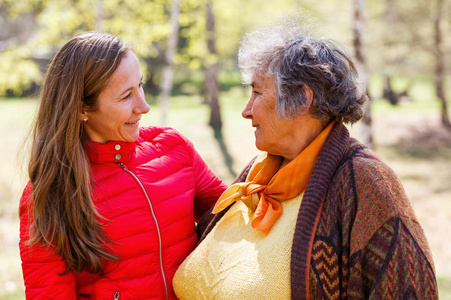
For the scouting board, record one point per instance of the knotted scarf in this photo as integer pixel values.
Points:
(267, 184)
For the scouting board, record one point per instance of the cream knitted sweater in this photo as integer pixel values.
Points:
(236, 261)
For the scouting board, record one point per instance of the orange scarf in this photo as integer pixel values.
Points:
(266, 186)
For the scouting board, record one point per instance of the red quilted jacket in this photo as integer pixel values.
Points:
(150, 194)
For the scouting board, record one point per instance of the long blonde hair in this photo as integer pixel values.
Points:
(64, 215)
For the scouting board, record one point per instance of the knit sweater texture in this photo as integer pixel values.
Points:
(356, 235)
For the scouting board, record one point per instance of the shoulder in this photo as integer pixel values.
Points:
(372, 179)
(375, 190)
(359, 160)
(26, 199)
(368, 169)
(159, 142)
(25, 211)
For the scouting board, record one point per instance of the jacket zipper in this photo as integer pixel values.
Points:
(116, 296)
(156, 224)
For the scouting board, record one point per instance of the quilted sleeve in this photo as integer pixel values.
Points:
(208, 186)
(41, 268)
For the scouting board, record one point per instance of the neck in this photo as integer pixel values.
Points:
(306, 134)
(285, 162)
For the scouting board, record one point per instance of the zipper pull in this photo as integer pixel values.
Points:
(122, 166)
(116, 296)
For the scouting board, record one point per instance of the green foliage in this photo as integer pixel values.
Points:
(17, 72)
(398, 37)
(141, 22)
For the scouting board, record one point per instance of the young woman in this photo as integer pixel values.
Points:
(110, 209)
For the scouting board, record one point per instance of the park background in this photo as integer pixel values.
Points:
(187, 50)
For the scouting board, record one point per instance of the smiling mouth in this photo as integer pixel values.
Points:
(131, 123)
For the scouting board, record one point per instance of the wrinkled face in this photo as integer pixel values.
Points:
(119, 106)
(273, 133)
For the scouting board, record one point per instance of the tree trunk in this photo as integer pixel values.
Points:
(212, 89)
(389, 8)
(100, 16)
(357, 30)
(211, 76)
(440, 64)
(168, 70)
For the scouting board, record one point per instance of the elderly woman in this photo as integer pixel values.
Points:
(319, 215)
(110, 208)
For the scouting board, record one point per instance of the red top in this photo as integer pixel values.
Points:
(150, 193)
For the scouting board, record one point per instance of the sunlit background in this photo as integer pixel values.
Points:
(187, 51)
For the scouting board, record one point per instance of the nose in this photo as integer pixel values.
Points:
(247, 110)
(141, 106)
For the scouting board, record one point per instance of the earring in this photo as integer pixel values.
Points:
(85, 119)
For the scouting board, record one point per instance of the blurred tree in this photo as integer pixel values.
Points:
(168, 70)
(397, 37)
(439, 63)
(59, 20)
(358, 32)
(211, 74)
(19, 23)
(212, 87)
(146, 22)
(100, 15)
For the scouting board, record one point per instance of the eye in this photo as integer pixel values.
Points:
(128, 96)
(141, 84)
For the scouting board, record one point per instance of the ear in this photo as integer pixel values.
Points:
(309, 96)
(84, 111)
(83, 116)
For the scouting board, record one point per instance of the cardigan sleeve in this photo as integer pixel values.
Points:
(389, 253)
(392, 264)
(42, 269)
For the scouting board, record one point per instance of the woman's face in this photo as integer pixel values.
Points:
(273, 133)
(119, 106)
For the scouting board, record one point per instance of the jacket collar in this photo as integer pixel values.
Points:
(109, 152)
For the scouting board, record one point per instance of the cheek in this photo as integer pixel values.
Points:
(266, 109)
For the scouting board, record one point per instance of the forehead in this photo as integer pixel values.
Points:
(128, 68)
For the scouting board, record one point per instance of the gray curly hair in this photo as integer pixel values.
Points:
(294, 59)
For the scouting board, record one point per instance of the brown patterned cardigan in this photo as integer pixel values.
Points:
(356, 235)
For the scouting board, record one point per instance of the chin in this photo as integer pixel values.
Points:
(259, 146)
(133, 136)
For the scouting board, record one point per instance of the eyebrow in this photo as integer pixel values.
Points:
(128, 89)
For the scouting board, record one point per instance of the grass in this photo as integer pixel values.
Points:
(408, 138)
